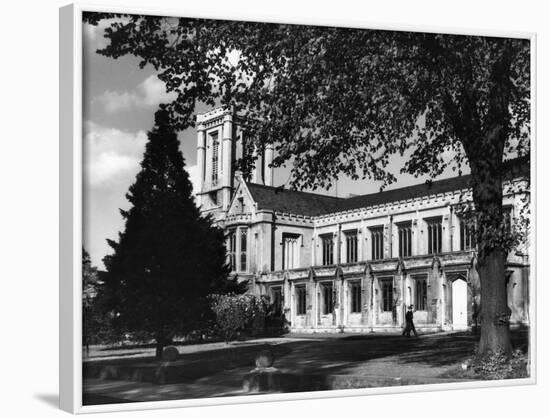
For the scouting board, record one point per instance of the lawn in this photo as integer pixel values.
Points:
(319, 361)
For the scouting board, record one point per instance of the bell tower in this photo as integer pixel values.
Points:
(219, 146)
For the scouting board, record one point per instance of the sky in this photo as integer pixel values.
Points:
(119, 102)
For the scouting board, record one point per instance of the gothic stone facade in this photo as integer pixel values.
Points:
(350, 264)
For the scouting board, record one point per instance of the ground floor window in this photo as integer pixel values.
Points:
(243, 263)
(387, 295)
(327, 298)
(301, 300)
(355, 290)
(277, 300)
(237, 248)
(421, 293)
(232, 250)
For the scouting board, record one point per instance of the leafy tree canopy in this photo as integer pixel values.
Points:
(342, 100)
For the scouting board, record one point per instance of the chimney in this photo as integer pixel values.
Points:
(268, 170)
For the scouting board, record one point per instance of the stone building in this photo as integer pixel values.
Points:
(350, 264)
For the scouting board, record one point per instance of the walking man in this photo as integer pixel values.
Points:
(409, 323)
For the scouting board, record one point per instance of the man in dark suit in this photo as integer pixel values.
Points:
(409, 323)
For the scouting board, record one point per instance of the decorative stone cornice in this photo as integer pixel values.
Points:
(213, 115)
(294, 218)
(324, 271)
(216, 117)
(353, 269)
(446, 262)
(238, 218)
(394, 207)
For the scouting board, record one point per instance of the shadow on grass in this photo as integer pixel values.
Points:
(445, 351)
(188, 368)
(220, 371)
(326, 356)
(344, 355)
(441, 351)
(224, 352)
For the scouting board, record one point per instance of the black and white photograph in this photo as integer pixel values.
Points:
(308, 208)
(277, 208)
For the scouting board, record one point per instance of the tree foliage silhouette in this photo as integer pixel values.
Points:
(337, 100)
(91, 316)
(169, 258)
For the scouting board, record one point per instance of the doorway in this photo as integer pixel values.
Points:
(460, 304)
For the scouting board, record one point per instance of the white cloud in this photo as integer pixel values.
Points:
(90, 32)
(93, 35)
(109, 165)
(111, 156)
(153, 91)
(193, 171)
(150, 93)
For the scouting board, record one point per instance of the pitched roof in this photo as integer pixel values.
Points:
(311, 204)
(290, 201)
(405, 193)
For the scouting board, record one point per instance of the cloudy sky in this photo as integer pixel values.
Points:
(119, 104)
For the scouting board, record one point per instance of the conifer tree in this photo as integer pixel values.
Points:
(168, 258)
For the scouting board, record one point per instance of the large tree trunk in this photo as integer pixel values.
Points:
(484, 137)
(491, 265)
(495, 313)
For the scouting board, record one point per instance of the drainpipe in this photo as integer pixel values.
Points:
(403, 298)
(273, 228)
(373, 313)
(451, 228)
(339, 245)
(390, 236)
(337, 278)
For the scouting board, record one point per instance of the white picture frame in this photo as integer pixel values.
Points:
(70, 204)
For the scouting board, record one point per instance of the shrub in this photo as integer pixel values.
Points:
(497, 365)
(237, 312)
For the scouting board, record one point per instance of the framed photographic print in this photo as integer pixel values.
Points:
(266, 210)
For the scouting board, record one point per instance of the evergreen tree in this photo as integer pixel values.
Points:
(169, 258)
